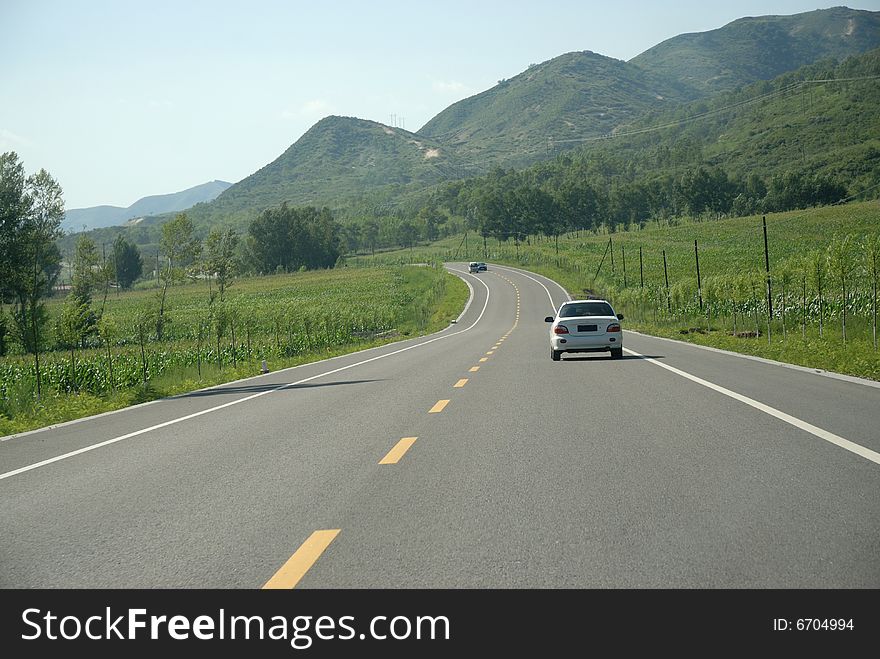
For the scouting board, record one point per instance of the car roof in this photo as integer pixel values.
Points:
(591, 299)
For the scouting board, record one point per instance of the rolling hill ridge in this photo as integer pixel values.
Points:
(760, 48)
(105, 216)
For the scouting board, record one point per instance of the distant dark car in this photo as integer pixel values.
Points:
(482, 267)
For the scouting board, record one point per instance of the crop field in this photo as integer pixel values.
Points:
(823, 280)
(283, 319)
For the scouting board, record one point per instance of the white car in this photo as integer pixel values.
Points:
(585, 326)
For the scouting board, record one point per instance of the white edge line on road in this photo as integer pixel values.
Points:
(797, 367)
(527, 276)
(763, 360)
(830, 437)
(237, 401)
(866, 453)
(470, 299)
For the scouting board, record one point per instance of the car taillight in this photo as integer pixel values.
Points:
(613, 327)
(560, 329)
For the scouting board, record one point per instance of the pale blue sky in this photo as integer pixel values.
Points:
(120, 99)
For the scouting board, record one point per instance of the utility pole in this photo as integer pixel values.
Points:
(641, 271)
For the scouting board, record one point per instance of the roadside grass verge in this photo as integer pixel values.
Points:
(291, 323)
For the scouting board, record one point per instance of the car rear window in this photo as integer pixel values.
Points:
(586, 309)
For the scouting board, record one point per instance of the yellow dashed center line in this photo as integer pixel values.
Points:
(461, 383)
(490, 352)
(484, 359)
(438, 407)
(474, 369)
(394, 455)
(297, 565)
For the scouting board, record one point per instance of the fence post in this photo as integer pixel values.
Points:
(699, 281)
(611, 247)
(666, 277)
(641, 271)
(804, 309)
(769, 289)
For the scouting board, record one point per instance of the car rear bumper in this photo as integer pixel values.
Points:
(596, 343)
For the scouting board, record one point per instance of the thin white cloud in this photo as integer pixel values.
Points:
(313, 108)
(10, 141)
(161, 104)
(449, 87)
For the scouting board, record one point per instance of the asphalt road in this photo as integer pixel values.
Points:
(674, 467)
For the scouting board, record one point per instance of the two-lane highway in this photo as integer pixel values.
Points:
(463, 459)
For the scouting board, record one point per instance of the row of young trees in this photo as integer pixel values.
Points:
(280, 239)
(288, 238)
(397, 230)
(562, 197)
(31, 209)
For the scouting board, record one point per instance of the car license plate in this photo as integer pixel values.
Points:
(587, 328)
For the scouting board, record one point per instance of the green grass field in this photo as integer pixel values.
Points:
(732, 278)
(284, 319)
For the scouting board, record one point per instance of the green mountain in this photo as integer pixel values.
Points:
(362, 168)
(569, 96)
(806, 138)
(790, 123)
(338, 162)
(761, 48)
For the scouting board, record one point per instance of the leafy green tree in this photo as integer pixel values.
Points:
(841, 262)
(76, 322)
(181, 249)
(350, 235)
(290, 239)
(127, 262)
(407, 233)
(87, 275)
(31, 211)
(370, 233)
(578, 205)
(14, 209)
(179, 244)
(86, 268)
(220, 257)
(430, 218)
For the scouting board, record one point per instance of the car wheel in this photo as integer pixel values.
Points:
(555, 355)
(616, 353)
